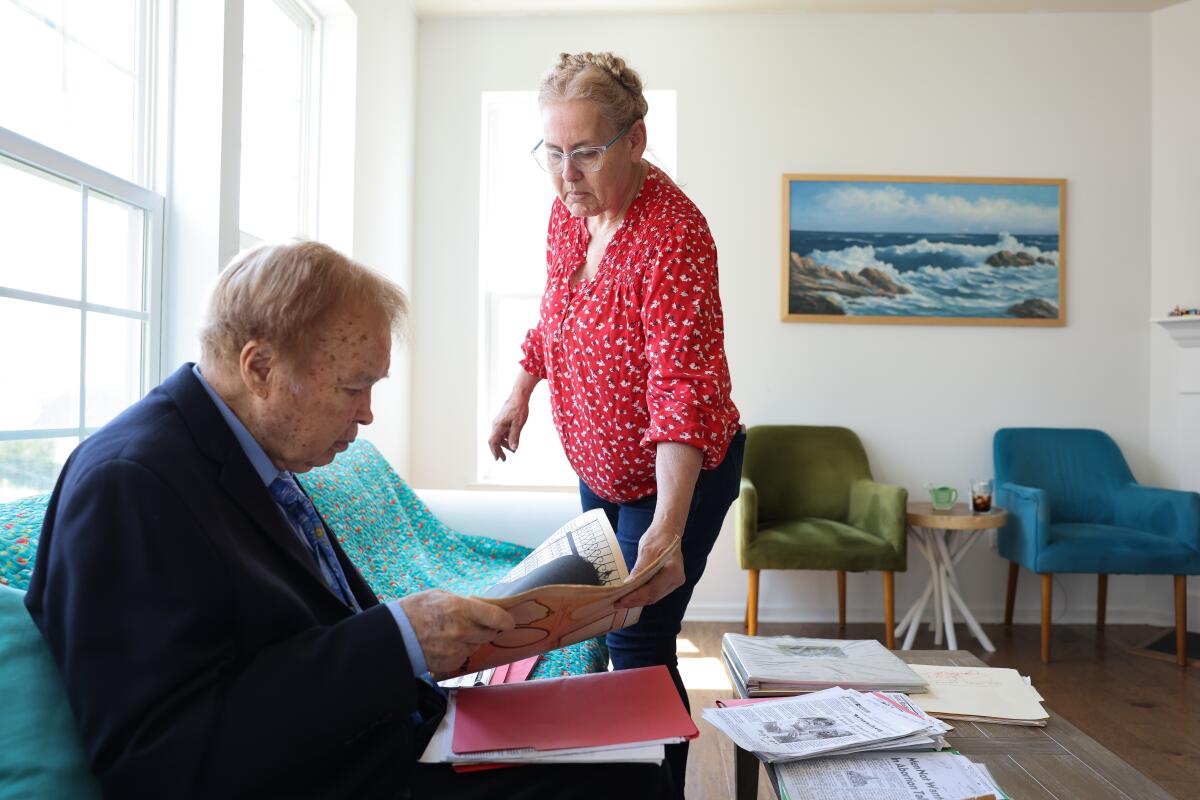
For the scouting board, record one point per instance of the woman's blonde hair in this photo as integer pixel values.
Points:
(281, 293)
(602, 78)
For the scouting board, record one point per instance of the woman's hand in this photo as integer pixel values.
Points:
(657, 539)
(506, 427)
(677, 466)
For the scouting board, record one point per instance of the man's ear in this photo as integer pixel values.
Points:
(256, 361)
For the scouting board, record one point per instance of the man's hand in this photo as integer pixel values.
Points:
(450, 628)
(657, 538)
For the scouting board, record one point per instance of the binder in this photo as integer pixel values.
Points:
(597, 710)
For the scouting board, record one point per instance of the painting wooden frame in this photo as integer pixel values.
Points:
(982, 269)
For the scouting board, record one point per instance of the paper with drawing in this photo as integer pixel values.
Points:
(564, 592)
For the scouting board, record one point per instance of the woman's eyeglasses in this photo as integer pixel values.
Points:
(585, 159)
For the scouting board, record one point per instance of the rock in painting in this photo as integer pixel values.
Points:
(813, 303)
(1034, 308)
(809, 276)
(1007, 258)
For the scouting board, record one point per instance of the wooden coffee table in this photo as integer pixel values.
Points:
(1057, 762)
(944, 537)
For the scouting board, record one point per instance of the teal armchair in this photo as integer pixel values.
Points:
(808, 501)
(1074, 506)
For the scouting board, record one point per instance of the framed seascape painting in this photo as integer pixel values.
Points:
(922, 250)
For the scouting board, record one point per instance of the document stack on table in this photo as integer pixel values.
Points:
(829, 722)
(888, 776)
(840, 744)
(774, 666)
(607, 717)
(980, 694)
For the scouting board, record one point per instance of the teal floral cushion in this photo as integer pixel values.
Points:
(385, 529)
(401, 548)
(20, 526)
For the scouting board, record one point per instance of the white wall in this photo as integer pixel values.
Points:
(1174, 267)
(760, 95)
(383, 188)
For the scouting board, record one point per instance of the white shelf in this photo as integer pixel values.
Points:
(1184, 330)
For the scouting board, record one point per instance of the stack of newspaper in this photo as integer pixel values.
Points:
(887, 776)
(773, 666)
(830, 722)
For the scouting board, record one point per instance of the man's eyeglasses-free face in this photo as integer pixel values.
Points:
(585, 159)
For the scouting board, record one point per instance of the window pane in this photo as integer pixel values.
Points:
(114, 248)
(273, 79)
(100, 114)
(31, 466)
(78, 84)
(114, 366)
(46, 393)
(40, 225)
(517, 198)
(109, 29)
(541, 460)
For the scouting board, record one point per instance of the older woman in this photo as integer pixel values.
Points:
(631, 343)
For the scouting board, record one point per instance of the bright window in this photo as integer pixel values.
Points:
(79, 283)
(76, 78)
(279, 69)
(515, 200)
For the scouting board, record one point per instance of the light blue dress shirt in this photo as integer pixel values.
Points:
(268, 473)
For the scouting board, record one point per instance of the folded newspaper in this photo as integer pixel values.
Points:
(564, 592)
(766, 666)
(833, 721)
(888, 776)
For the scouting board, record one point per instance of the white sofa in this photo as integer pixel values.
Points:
(525, 518)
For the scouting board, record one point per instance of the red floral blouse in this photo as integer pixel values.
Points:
(636, 355)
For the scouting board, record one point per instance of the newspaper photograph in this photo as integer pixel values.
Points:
(563, 592)
(828, 721)
(927, 776)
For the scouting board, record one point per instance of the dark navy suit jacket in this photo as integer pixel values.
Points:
(202, 651)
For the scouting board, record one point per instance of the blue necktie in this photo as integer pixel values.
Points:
(303, 515)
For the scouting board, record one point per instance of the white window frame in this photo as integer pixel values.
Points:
(153, 21)
(90, 179)
(311, 24)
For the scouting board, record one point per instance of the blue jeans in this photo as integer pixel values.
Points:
(652, 640)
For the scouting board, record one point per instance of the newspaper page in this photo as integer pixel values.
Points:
(564, 592)
(926, 776)
(789, 664)
(583, 552)
(810, 725)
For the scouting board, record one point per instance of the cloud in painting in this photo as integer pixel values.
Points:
(928, 208)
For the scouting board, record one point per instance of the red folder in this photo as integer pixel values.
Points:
(605, 708)
(519, 670)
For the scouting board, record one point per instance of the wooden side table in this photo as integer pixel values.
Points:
(944, 537)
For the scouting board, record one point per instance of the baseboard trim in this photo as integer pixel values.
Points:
(731, 612)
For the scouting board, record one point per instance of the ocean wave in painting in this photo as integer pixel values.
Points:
(925, 274)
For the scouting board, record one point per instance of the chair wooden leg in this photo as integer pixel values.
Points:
(1181, 620)
(1047, 604)
(841, 599)
(889, 609)
(1011, 598)
(752, 605)
(1101, 600)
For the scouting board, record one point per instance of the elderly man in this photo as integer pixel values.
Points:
(213, 639)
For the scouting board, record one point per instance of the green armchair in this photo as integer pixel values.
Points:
(808, 502)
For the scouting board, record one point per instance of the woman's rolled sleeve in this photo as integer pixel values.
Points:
(532, 360)
(688, 386)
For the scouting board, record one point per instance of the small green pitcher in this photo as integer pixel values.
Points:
(942, 497)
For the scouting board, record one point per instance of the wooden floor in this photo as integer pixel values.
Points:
(1144, 710)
